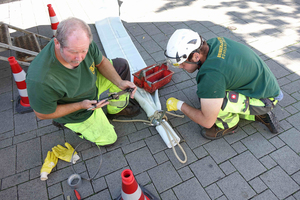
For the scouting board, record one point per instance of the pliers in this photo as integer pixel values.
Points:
(115, 95)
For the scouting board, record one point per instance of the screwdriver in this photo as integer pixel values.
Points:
(77, 195)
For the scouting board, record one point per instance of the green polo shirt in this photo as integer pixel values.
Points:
(49, 83)
(233, 66)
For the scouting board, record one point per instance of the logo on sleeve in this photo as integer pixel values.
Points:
(92, 68)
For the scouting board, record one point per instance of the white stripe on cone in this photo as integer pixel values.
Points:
(19, 76)
(134, 196)
(54, 20)
(23, 92)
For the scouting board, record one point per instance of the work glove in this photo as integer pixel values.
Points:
(174, 104)
(49, 163)
(65, 153)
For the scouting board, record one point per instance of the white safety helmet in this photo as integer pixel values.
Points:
(181, 44)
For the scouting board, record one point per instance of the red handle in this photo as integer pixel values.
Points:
(77, 195)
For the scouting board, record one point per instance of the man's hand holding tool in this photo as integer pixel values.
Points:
(104, 101)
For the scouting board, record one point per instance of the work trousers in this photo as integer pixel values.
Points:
(236, 106)
(97, 128)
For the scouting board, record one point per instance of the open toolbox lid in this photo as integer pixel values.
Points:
(153, 77)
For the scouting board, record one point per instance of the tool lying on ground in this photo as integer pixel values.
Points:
(114, 95)
(77, 195)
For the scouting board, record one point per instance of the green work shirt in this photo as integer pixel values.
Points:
(233, 66)
(49, 83)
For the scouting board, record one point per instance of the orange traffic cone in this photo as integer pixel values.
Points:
(131, 189)
(53, 19)
(23, 105)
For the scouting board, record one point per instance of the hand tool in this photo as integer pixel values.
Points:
(114, 95)
(77, 195)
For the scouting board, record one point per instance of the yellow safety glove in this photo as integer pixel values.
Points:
(65, 153)
(49, 163)
(174, 104)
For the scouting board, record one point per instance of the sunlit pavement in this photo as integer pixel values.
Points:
(252, 164)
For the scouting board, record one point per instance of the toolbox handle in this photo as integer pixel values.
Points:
(143, 72)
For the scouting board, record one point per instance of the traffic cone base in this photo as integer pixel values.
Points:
(21, 107)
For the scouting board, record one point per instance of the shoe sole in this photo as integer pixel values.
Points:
(235, 130)
(274, 124)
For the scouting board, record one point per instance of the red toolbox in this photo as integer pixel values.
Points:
(153, 77)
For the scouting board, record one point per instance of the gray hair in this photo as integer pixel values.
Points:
(68, 26)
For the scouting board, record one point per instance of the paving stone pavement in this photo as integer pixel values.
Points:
(252, 164)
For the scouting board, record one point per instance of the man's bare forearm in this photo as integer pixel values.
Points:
(61, 110)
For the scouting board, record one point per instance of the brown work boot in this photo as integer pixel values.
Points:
(128, 111)
(215, 132)
(269, 120)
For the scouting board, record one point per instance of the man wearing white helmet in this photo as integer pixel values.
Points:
(232, 83)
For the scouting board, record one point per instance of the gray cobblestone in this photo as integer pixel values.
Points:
(133, 146)
(6, 143)
(6, 121)
(100, 196)
(25, 122)
(296, 177)
(168, 195)
(114, 182)
(138, 135)
(227, 167)
(248, 165)
(278, 143)
(185, 173)
(213, 191)
(200, 152)
(160, 157)
(287, 159)
(23, 137)
(28, 157)
(190, 189)
(143, 179)
(258, 185)
(239, 147)
(236, 137)
(34, 189)
(10, 193)
(54, 190)
(164, 176)
(291, 137)
(235, 187)
(265, 195)
(141, 160)
(258, 145)
(5, 101)
(252, 164)
(268, 162)
(193, 137)
(206, 171)
(279, 182)
(99, 184)
(222, 153)
(15, 180)
(155, 144)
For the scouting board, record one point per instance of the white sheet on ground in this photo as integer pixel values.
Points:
(117, 43)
